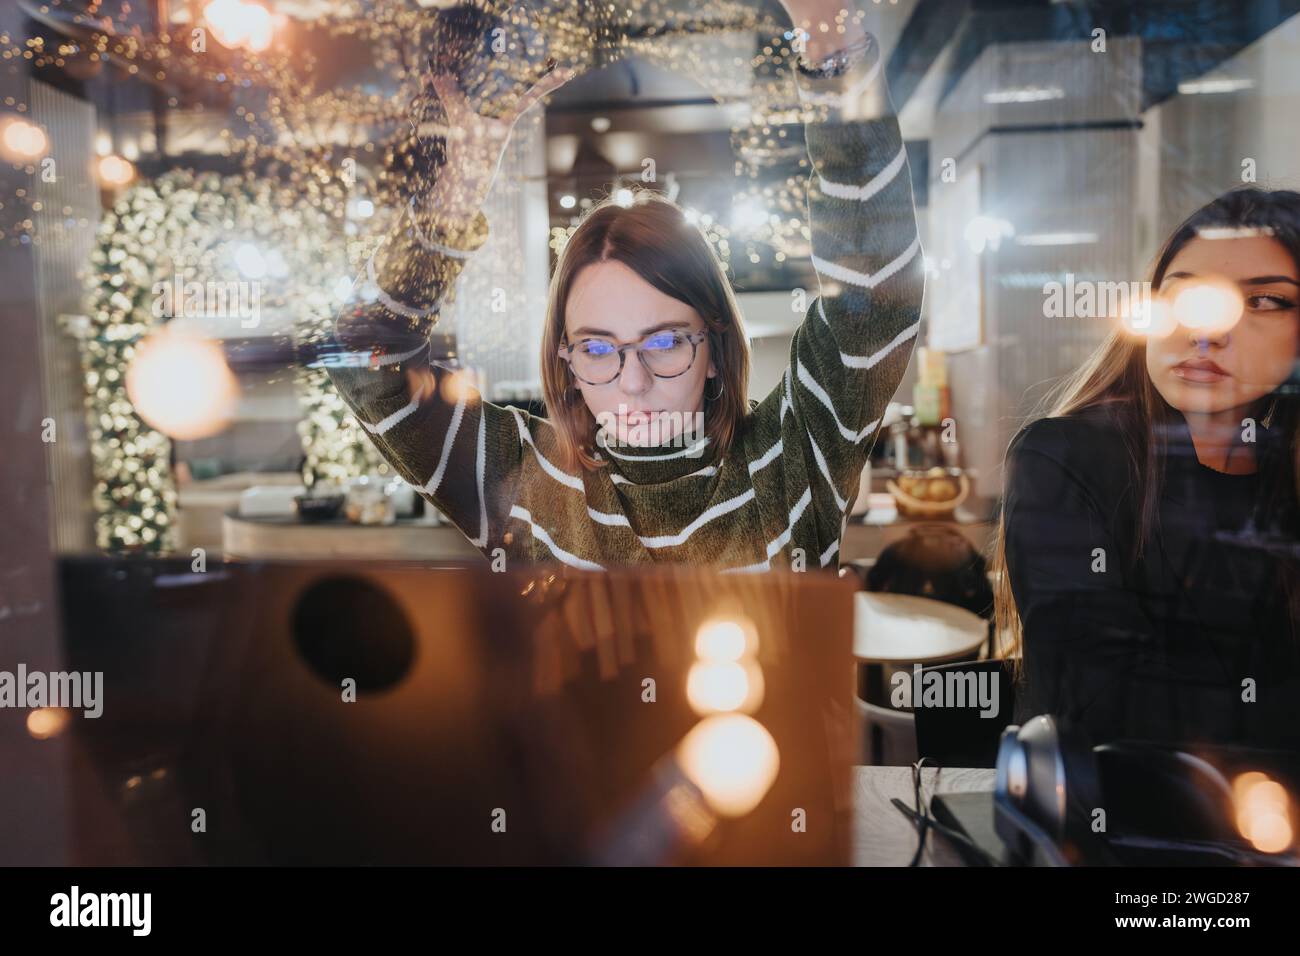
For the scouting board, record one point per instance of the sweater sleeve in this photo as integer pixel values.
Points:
(427, 419)
(855, 340)
(1091, 654)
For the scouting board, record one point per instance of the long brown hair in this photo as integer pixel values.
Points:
(1115, 376)
(653, 238)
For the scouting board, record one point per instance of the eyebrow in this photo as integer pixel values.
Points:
(588, 330)
(1258, 280)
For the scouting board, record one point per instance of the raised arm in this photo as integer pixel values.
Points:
(432, 425)
(853, 345)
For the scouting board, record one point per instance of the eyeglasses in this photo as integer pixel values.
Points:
(924, 821)
(665, 354)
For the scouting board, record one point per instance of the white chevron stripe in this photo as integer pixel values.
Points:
(608, 518)
(693, 451)
(391, 304)
(810, 383)
(721, 508)
(867, 190)
(779, 542)
(447, 441)
(840, 503)
(400, 357)
(869, 361)
(541, 535)
(563, 477)
(480, 460)
(830, 552)
(861, 279)
(429, 243)
(765, 459)
(707, 471)
(383, 425)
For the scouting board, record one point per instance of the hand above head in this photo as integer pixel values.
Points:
(812, 15)
(476, 143)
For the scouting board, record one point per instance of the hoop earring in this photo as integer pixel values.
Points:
(722, 387)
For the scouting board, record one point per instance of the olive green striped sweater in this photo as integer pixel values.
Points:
(781, 494)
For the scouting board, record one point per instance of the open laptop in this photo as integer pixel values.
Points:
(332, 713)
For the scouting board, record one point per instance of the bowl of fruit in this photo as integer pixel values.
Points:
(933, 493)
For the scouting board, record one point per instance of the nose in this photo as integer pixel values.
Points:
(634, 379)
(1201, 340)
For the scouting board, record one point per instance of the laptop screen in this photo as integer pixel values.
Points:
(404, 713)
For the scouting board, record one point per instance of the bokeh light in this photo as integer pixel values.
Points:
(1210, 305)
(181, 385)
(238, 23)
(46, 722)
(722, 686)
(21, 141)
(114, 171)
(1146, 316)
(732, 759)
(725, 639)
(1263, 812)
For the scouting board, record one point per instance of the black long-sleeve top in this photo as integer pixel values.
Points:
(1163, 648)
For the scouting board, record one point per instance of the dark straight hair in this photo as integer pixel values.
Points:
(1115, 377)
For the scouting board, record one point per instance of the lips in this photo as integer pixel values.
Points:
(633, 417)
(1200, 371)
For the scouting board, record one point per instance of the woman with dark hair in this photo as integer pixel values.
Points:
(1150, 525)
(651, 450)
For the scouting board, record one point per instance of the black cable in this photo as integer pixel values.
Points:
(924, 821)
(986, 858)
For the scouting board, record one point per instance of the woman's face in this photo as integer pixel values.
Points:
(1200, 370)
(610, 302)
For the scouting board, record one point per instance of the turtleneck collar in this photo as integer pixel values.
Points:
(655, 464)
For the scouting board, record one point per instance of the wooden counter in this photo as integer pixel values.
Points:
(407, 539)
(416, 539)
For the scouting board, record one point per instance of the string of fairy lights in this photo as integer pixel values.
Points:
(315, 149)
(181, 229)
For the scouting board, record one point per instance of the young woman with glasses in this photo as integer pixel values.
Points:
(651, 450)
